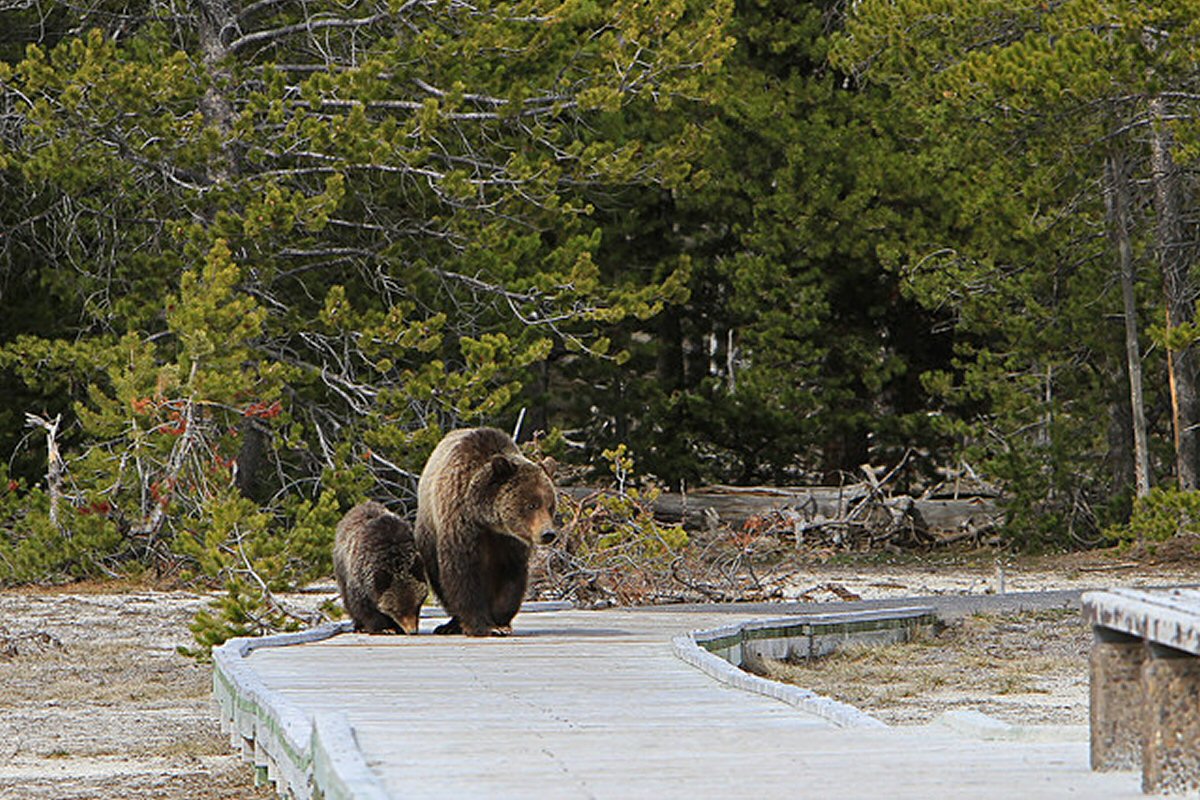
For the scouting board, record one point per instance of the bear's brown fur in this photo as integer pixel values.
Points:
(379, 571)
(481, 506)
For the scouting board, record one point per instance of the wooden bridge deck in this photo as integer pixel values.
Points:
(592, 704)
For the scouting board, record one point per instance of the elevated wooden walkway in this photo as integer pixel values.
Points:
(592, 704)
(1145, 683)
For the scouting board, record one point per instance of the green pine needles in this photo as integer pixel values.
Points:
(273, 257)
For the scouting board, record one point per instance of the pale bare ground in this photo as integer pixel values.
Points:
(1021, 668)
(1026, 668)
(95, 702)
(979, 574)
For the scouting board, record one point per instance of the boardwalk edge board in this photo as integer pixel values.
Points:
(1165, 617)
(339, 769)
(304, 757)
(721, 653)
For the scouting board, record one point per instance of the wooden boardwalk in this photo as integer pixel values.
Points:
(593, 704)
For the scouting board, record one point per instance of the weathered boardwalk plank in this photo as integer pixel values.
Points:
(596, 705)
(1166, 617)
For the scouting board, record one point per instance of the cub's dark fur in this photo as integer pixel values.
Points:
(379, 571)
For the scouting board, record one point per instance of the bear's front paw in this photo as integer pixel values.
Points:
(493, 630)
(451, 627)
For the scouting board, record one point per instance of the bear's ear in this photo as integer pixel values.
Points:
(500, 469)
(548, 465)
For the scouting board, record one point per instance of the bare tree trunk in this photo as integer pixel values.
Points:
(216, 29)
(217, 23)
(730, 361)
(1116, 202)
(1045, 436)
(54, 462)
(1172, 258)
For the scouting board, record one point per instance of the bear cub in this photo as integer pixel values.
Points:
(481, 506)
(379, 571)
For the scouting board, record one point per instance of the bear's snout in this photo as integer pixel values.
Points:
(547, 536)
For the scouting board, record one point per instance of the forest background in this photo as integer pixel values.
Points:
(257, 257)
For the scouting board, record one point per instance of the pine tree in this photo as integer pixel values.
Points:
(1029, 108)
(792, 354)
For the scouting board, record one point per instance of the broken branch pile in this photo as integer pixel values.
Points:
(858, 516)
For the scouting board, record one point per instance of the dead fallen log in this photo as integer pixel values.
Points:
(818, 506)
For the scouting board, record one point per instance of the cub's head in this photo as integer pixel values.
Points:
(524, 500)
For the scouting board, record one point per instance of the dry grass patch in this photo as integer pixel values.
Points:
(1024, 668)
(96, 703)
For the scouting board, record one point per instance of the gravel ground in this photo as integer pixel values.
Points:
(95, 702)
(1026, 668)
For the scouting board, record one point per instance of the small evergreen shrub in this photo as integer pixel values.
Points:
(1163, 514)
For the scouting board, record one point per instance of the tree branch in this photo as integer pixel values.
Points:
(266, 37)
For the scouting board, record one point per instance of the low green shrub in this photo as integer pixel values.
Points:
(1163, 514)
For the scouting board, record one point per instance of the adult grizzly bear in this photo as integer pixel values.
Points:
(481, 506)
(378, 569)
